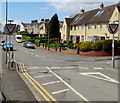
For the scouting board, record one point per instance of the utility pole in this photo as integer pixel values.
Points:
(6, 24)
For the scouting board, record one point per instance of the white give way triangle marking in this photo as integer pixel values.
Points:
(100, 76)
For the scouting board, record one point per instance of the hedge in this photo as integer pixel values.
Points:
(86, 46)
(107, 45)
(97, 46)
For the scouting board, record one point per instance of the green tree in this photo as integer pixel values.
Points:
(54, 27)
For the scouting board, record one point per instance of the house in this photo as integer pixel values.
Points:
(91, 25)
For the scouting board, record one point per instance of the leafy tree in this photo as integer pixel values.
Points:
(54, 27)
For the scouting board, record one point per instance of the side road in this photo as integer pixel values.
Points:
(14, 88)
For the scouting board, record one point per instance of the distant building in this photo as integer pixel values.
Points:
(91, 25)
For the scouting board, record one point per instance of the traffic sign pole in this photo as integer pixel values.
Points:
(113, 53)
(113, 29)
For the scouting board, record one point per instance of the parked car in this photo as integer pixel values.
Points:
(2, 42)
(8, 45)
(29, 45)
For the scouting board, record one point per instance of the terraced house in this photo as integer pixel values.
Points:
(91, 25)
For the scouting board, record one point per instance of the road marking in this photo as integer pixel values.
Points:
(33, 67)
(44, 90)
(98, 68)
(77, 93)
(38, 72)
(92, 74)
(80, 62)
(42, 76)
(84, 68)
(68, 67)
(37, 56)
(44, 96)
(50, 83)
(61, 91)
(55, 68)
(108, 62)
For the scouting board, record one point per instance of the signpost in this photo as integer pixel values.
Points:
(9, 29)
(113, 29)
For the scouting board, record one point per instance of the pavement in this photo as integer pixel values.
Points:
(13, 87)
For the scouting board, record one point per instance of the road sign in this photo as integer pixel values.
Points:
(9, 28)
(113, 28)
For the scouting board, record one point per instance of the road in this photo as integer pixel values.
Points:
(67, 77)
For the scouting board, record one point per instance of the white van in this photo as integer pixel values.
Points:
(19, 38)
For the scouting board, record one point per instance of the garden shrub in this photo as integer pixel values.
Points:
(107, 45)
(86, 46)
(96, 46)
(54, 46)
(118, 43)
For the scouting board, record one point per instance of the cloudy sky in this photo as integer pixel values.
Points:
(29, 10)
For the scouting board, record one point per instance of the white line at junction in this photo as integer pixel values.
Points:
(50, 83)
(70, 87)
(60, 91)
(42, 76)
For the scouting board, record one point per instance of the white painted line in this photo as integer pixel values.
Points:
(61, 91)
(50, 83)
(37, 56)
(42, 76)
(77, 93)
(68, 67)
(80, 62)
(38, 72)
(108, 62)
(98, 68)
(33, 67)
(84, 68)
(55, 68)
(89, 74)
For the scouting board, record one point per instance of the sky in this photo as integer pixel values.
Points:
(29, 10)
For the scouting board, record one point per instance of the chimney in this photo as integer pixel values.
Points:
(101, 6)
(82, 11)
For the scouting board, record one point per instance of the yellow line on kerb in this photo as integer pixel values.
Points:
(51, 97)
(37, 89)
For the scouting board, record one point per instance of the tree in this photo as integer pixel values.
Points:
(54, 27)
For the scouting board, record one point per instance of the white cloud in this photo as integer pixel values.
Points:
(75, 7)
(61, 0)
(43, 8)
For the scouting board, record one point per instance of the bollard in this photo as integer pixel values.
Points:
(78, 50)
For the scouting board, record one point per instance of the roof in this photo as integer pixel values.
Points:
(94, 16)
(68, 20)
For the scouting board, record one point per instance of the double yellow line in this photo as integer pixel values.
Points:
(43, 92)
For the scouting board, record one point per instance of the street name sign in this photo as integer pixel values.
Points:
(113, 28)
(9, 28)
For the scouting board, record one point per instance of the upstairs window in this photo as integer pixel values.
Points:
(89, 26)
(83, 27)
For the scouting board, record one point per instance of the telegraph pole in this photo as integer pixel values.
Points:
(6, 24)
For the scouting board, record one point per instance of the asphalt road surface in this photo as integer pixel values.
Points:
(67, 77)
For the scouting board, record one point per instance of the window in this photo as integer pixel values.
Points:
(64, 28)
(74, 27)
(95, 26)
(100, 26)
(83, 26)
(89, 26)
(78, 27)
(82, 38)
(99, 13)
(71, 28)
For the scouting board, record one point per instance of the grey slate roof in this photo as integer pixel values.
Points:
(93, 16)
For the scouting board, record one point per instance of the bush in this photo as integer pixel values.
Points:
(76, 45)
(37, 42)
(96, 46)
(54, 46)
(118, 43)
(86, 46)
(107, 45)
(27, 38)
